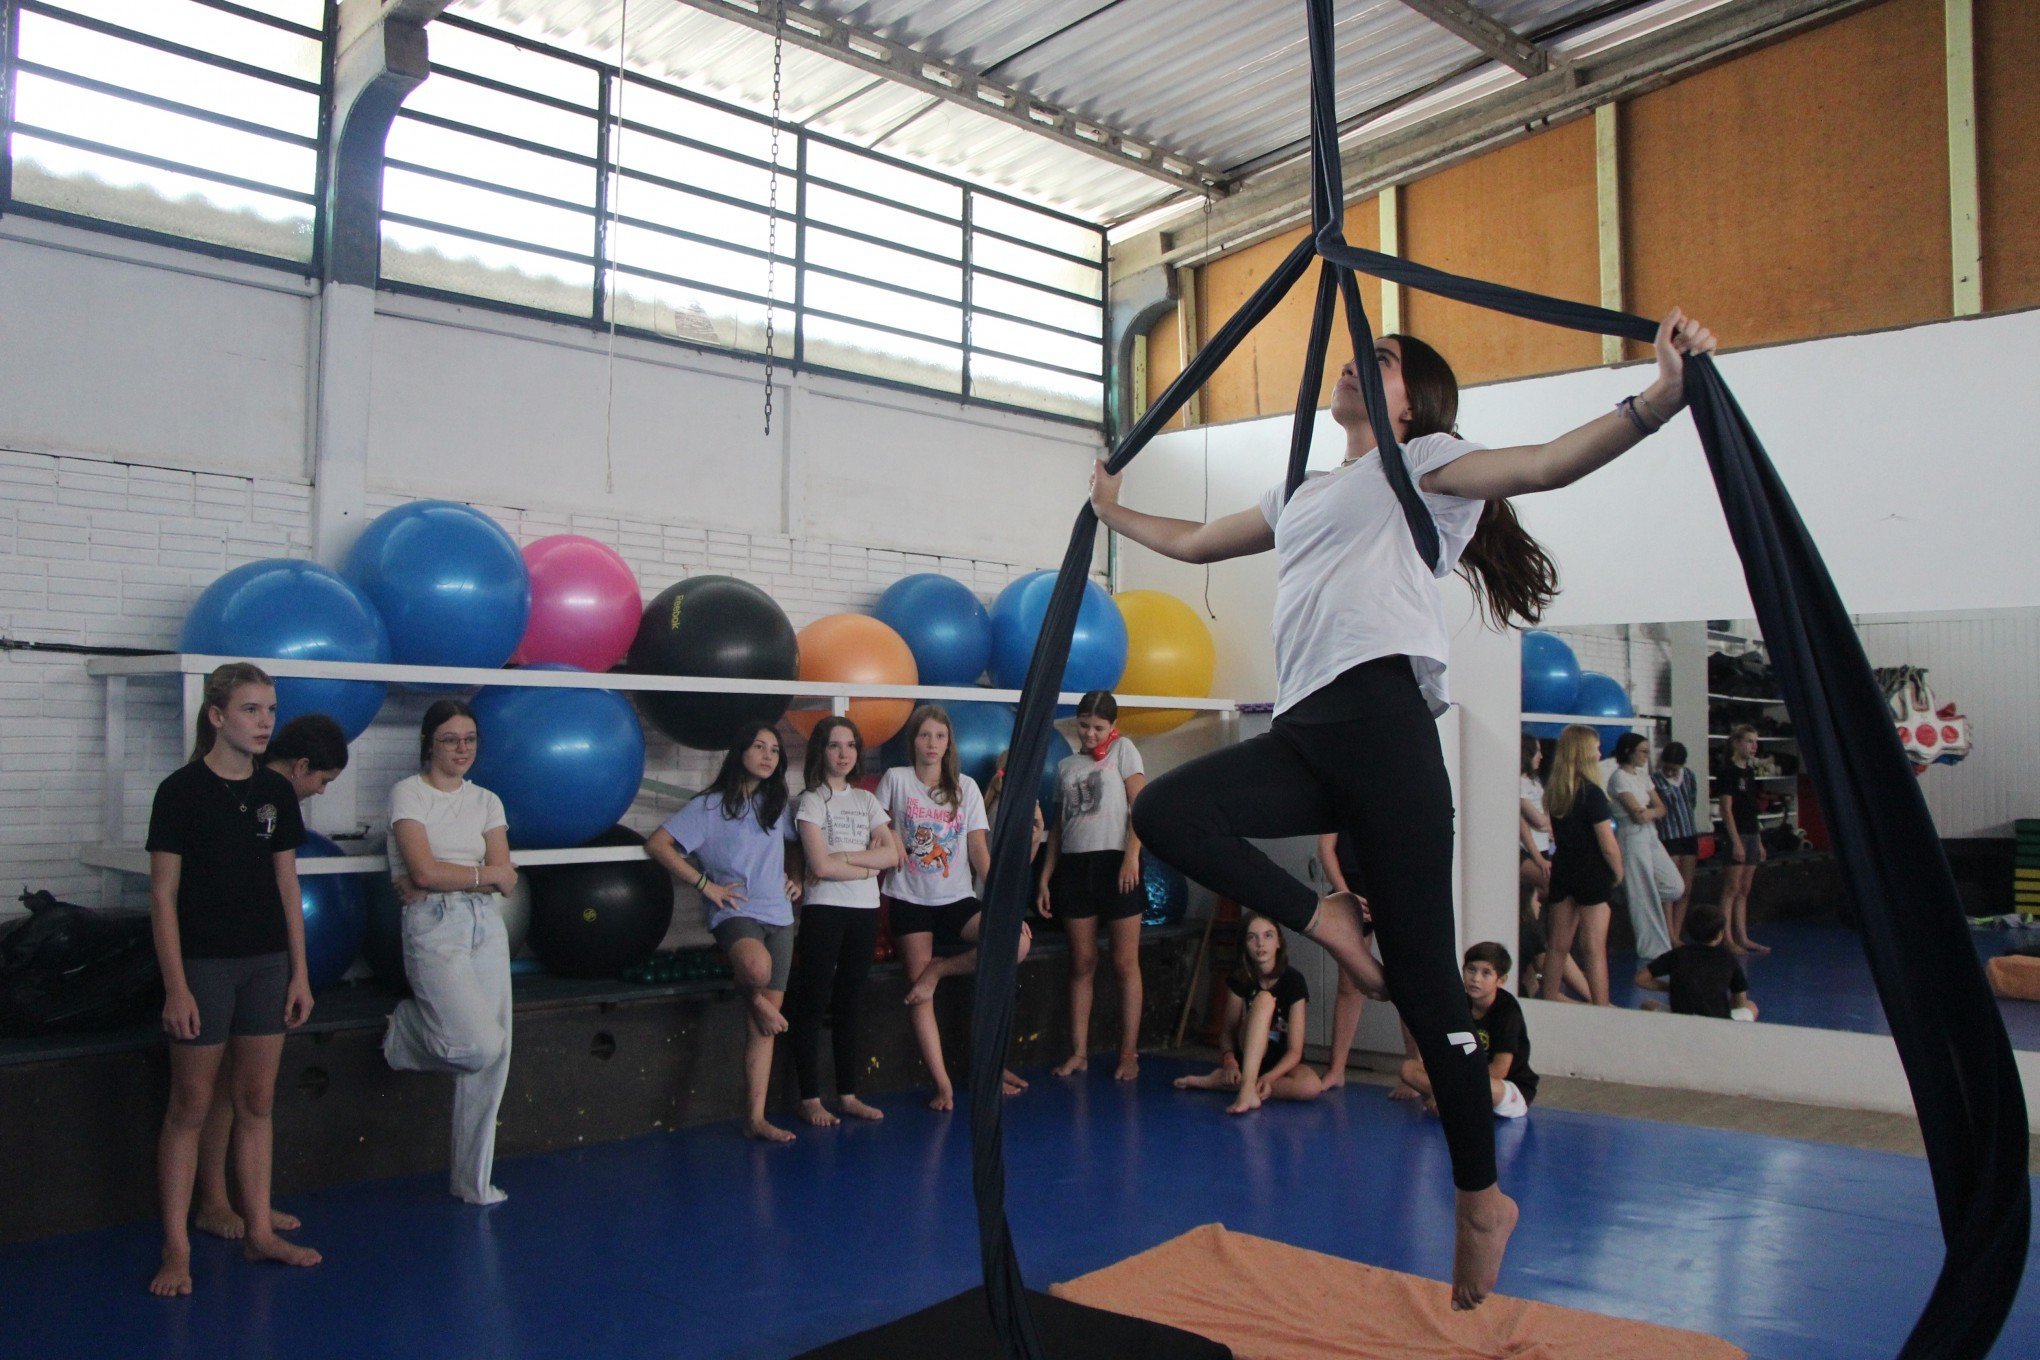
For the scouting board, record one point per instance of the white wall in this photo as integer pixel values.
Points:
(154, 433)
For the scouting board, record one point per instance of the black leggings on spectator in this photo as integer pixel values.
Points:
(832, 960)
(1379, 777)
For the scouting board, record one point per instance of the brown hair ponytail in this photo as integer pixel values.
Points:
(219, 692)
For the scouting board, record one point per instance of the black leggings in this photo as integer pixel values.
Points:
(832, 962)
(1380, 779)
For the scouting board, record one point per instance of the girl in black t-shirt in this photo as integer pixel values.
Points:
(230, 936)
(1265, 1005)
(1586, 862)
(1737, 794)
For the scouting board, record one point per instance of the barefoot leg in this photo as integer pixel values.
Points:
(212, 1210)
(916, 953)
(255, 1062)
(1082, 933)
(814, 1113)
(1337, 927)
(193, 1071)
(857, 1109)
(1346, 1010)
(1125, 936)
(1482, 1221)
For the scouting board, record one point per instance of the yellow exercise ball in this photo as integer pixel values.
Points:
(1168, 651)
(857, 649)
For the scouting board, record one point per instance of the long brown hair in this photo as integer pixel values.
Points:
(949, 787)
(219, 692)
(1244, 972)
(815, 773)
(1511, 575)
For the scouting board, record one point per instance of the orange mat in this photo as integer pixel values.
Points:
(2016, 976)
(1269, 1301)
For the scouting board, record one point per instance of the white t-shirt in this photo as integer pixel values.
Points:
(1349, 585)
(455, 823)
(1090, 798)
(936, 870)
(847, 820)
(1532, 792)
(1635, 783)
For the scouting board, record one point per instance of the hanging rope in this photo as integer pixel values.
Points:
(607, 252)
(772, 209)
(1943, 1018)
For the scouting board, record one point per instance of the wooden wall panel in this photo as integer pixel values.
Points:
(2008, 150)
(1524, 216)
(1801, 190)
(1164, 362)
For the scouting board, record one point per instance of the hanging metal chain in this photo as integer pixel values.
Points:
(772, 215)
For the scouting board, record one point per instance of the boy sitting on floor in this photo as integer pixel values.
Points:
(1499, 1030)
(1702, 975)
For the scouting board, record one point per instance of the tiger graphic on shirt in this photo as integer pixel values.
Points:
(932, 837)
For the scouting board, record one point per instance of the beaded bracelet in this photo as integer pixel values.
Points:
(1627, 406)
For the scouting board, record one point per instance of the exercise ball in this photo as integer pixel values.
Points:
(382, 943)
(1551, 680)
(715, 627)
(1602, 696)
(596, 920)
(585, 604)
(448, 581)
(295, 611)
(860, 650)
(1168, 651)
(336, 915)
(1052, 757)
(1167, 891)
(566, 762)
(944, 625)
(1097, 646)
(980, 731)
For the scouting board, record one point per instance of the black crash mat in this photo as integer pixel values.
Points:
(960, 1329)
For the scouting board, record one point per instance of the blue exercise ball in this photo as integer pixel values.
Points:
(336, 915)
(1551, 680)
(281, 609)
(1057, 751)
(450, 584)
(1167, 891)
(1602, 696)
(945, 626)
(1097, 646)
(566, 762)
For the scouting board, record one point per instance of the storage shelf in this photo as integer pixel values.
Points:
(1723, 736)
(1742, 699)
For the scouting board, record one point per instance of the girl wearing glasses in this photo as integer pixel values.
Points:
(452, 861)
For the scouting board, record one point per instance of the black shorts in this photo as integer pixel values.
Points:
(1682, 845)
(242, 997)
(1590, 886)
(945, 922)
(1087, 885)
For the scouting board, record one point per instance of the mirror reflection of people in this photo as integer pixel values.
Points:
(1679, 789)
(1736, 797)
(1586, 866)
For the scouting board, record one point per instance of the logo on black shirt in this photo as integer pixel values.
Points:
(265, 819)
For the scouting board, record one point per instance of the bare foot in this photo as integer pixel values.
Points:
(489, 1196)
(1756, 948)
(174, 1277)
(1014, 1082)
(1333, 1078)
(1405, 1091)
(1128, 1069)
(923, 990)
(1484, 1219)
(857, 1109)
(766, 1016)
(765, 1131)
(1190, 1084)
(1248, 1100)
(270, 1247)
(1337, 927)
(224, 1222)
(1072, 1065)
(815, 1113)
(1650, 1006)
(945, 1099)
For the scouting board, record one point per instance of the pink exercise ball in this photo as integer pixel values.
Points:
(585, 604)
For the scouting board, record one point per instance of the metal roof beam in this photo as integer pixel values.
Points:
(1491, 36)
(868, 51)
(1280, 198)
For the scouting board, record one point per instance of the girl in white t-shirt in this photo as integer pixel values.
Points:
(938, 814)
(1361, 644)
(1092, 875)
(846, 843)
(1650, 881)
(450, 854)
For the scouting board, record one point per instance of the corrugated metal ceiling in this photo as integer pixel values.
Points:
(1222, 82)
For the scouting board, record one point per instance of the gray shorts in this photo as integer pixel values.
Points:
(778, 941)
(244, 997)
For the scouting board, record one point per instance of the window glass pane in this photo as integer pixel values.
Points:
(454, 264)
(112, 190)
(699, 316)
(895, 182)
(448, 96)
(630, 197)
(651, 155)
(499, 59)
(645, 249)
(305, 13)
(888, 224)
(1036, 388)
(480, 158)
(458, 205)
(888, 266)
(859, 349)
(209, 30)
(1051, 309)
(869, 302)
(1012, 219)
(47, 104)
(134, 66)
(989, 252)
(704, 123)
(1031, 342)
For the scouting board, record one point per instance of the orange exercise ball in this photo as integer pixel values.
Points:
(1168, 651)
(857, 649)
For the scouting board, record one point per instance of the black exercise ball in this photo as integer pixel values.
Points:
(716, 627)
(595, 920)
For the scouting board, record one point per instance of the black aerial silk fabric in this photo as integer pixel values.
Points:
(1943, 1018)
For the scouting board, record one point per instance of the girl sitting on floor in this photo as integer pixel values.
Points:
(1265, 1003)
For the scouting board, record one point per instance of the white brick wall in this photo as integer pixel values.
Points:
(1636, 654)
(102, 553)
